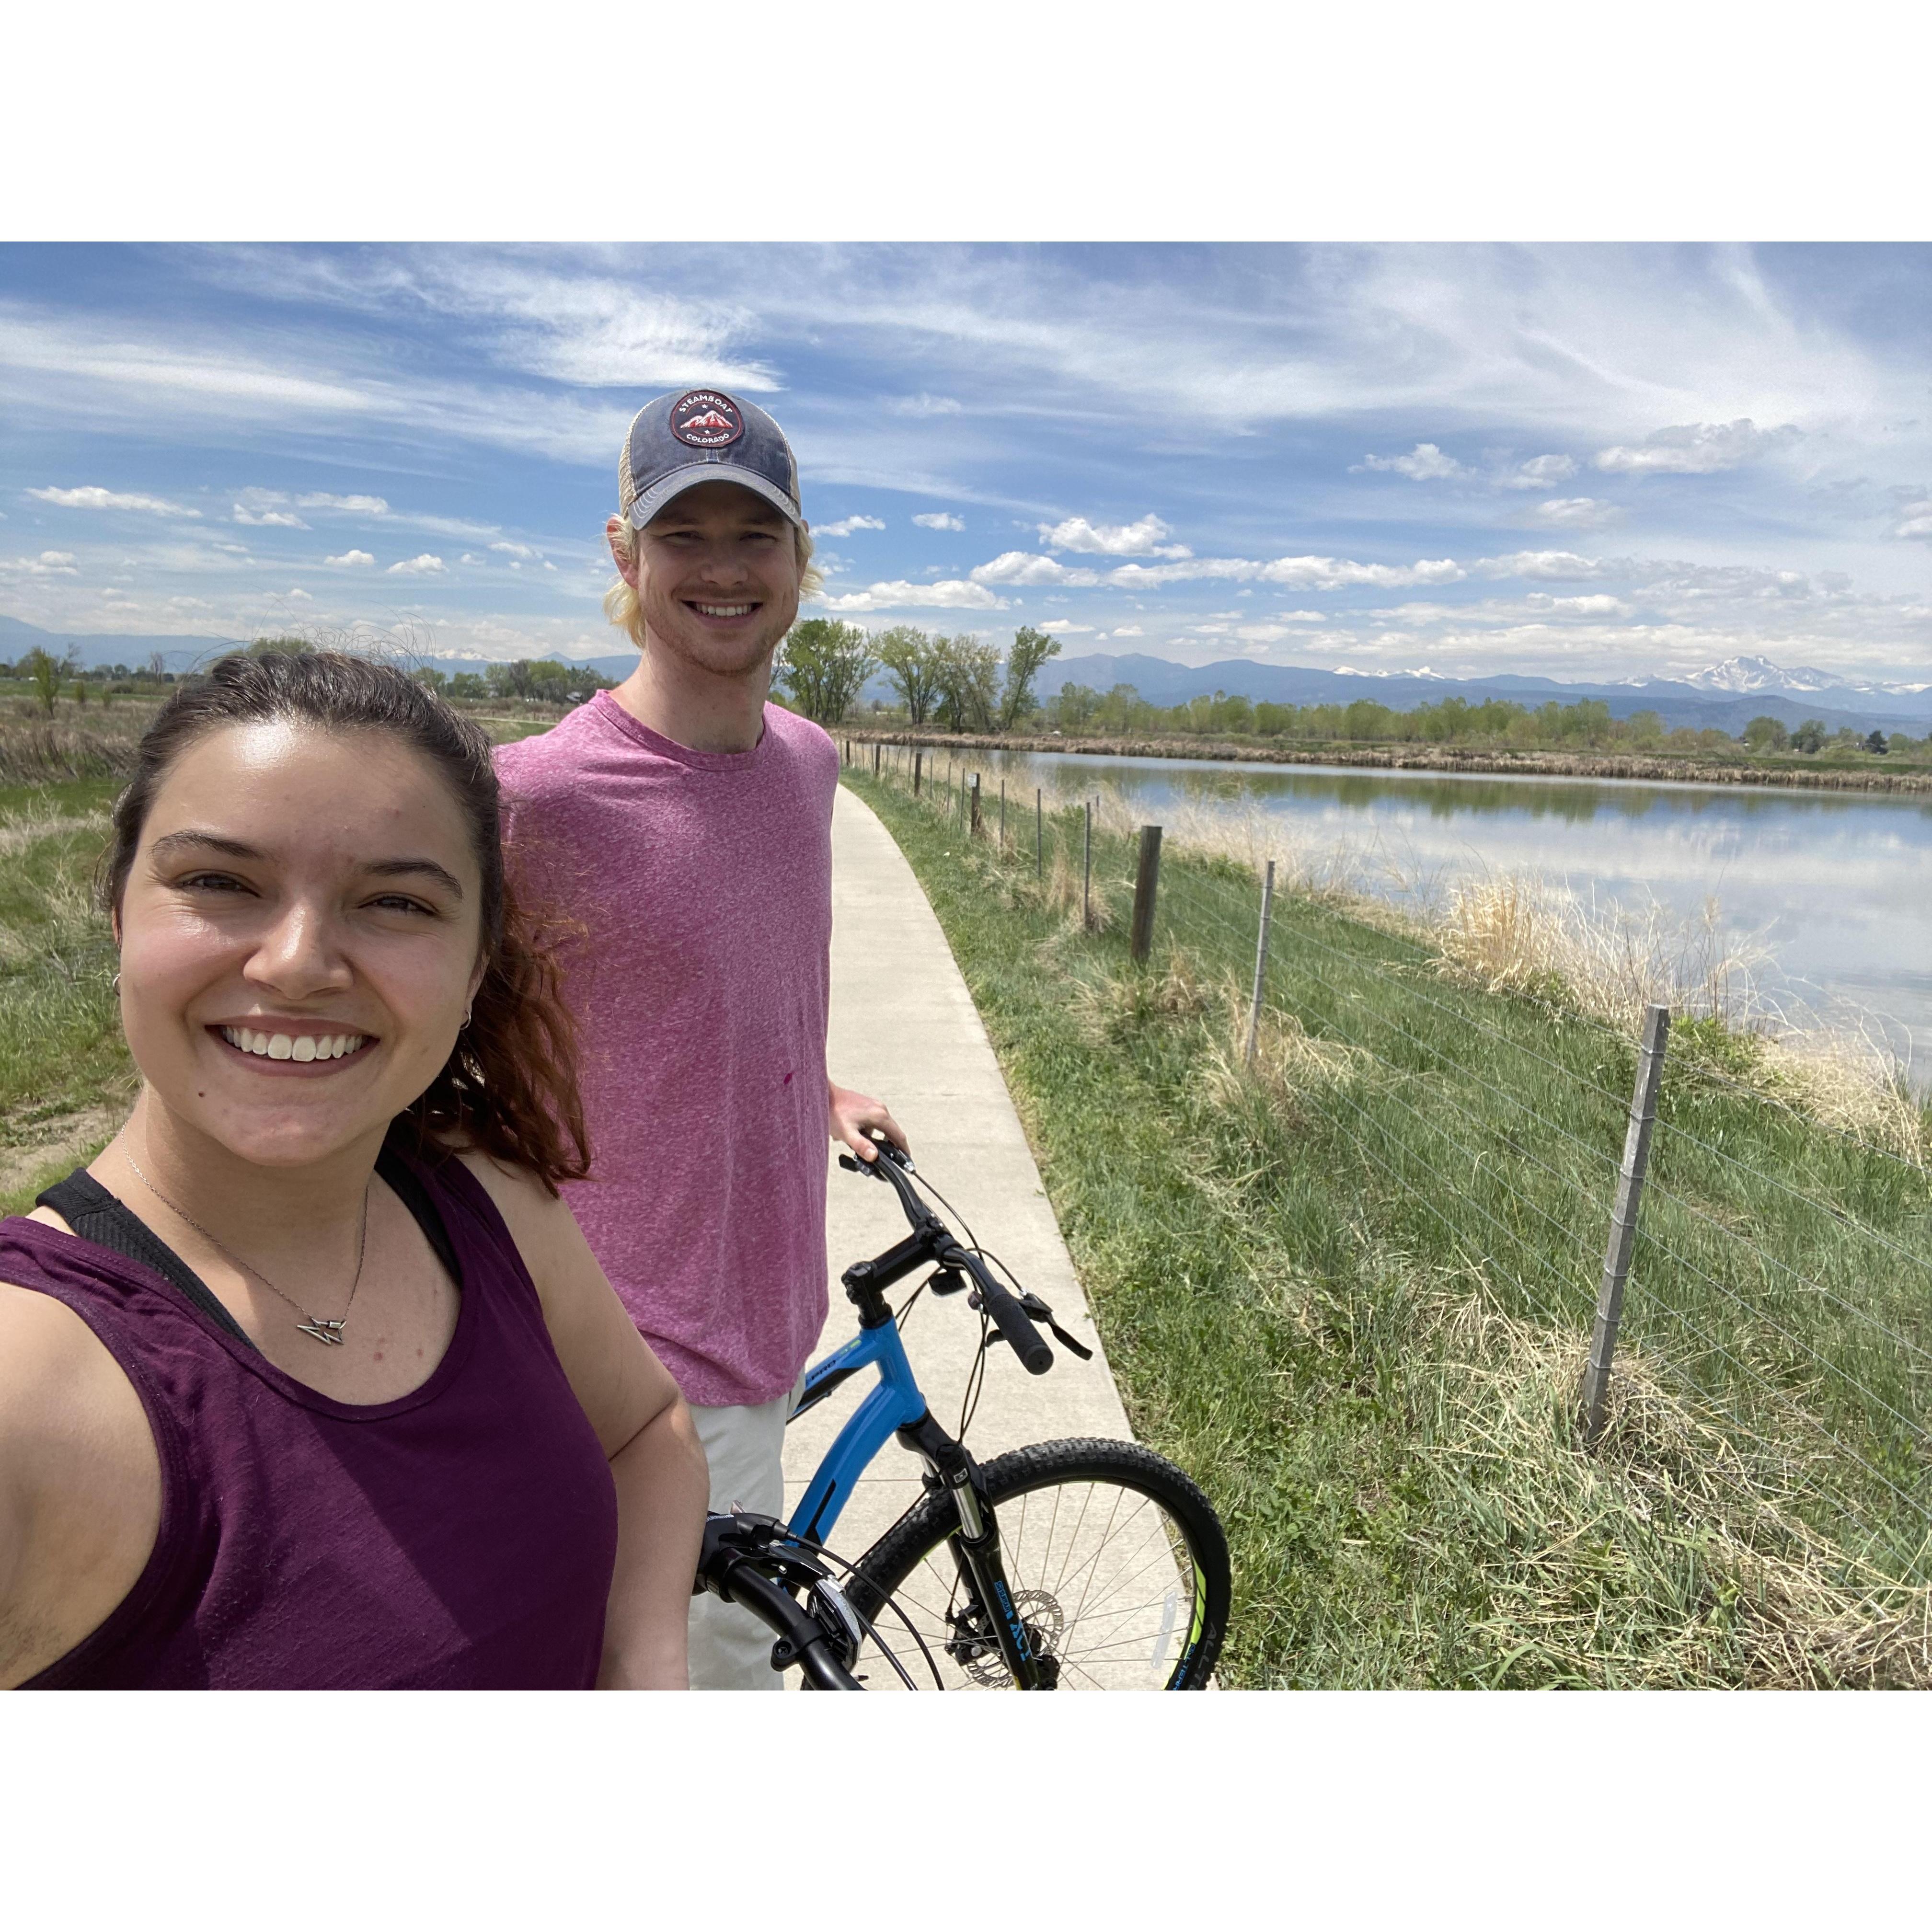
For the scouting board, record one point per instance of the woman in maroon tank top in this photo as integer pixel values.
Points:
(309, 1378)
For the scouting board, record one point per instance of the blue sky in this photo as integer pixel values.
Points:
(1578, 460)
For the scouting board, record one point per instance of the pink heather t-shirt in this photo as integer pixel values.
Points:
(700, 992)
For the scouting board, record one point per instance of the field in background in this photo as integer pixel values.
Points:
(1350, 1287)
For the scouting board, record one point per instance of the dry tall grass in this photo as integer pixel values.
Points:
(1525, 935)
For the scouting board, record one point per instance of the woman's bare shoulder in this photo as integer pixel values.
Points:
(80, 1480)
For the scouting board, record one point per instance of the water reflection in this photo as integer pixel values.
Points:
(1834, 882)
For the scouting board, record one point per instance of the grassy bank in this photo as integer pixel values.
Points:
(1350, 1289)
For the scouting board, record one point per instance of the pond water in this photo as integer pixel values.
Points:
(1837, 886)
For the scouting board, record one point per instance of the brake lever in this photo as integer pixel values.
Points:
(1037, 1311)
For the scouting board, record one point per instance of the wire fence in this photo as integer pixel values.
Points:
(1779, 1281)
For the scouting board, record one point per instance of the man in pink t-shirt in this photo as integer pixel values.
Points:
(686, 826)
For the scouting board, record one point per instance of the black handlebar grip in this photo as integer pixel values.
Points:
(1013, 1322)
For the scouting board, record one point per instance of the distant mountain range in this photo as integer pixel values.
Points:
(1722, 697)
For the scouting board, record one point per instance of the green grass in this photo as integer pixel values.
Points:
(1351, 1291)
(62, 1060)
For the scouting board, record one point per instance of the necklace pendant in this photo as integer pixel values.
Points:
(319, 1329)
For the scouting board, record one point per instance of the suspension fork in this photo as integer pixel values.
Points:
(976, 1548)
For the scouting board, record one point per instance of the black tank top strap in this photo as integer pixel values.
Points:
(407, 1184)
(96, 1215)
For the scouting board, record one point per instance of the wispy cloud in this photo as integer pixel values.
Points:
(1425, 463)
(1026, 566)
(1697, 449)
(92, 496)
(424, 566)
(938, 520)
(952, 594)
(846, 526)
(1580, 513)
(351, 560)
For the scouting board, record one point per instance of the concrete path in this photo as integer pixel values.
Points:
(905, 1029)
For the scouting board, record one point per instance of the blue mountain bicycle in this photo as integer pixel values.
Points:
(1082, 1564)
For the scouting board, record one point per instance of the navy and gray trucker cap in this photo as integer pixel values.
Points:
(703, 436)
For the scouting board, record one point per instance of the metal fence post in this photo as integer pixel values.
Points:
(875, 760)
(918, 770)
(973, 829)
(1003, 814)
(1260, 965)
(1147, 882)
(1623, 1218)
(1087, 869)
(1039, 835)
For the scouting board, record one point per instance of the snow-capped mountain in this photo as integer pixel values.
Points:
(1741, 676)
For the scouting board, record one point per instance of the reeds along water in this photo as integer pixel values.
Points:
(1524, 934)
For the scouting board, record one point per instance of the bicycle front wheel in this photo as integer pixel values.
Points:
(1116, 1562)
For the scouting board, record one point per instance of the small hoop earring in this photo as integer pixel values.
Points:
(465, 1026)
(114, 984)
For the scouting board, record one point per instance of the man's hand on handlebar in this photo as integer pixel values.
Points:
(854, 1119)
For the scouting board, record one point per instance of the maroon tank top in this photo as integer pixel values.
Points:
(461, 1536)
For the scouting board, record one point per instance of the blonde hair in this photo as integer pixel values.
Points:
(620, 601)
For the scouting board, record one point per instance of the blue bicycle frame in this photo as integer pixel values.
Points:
(894, 1405)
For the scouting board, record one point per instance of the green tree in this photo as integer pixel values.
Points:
(1809, 736)
(281, 647)
(822, 667)
(430, 679)
(967, 673)
(467, 686)
(1031, 649)
(44, 671)
(907, 656)
(1764, 734)
(1875, 745)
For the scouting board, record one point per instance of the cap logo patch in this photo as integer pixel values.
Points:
(706, 420)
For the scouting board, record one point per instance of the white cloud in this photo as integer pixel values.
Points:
(48, 563)
(1914, 520)
(1597, 603)
(1024, 566)
(1424, 463)
(938, 520)
(280, 519)
(1540, 473)
(923, 405)
(352, 560)
(1544, 563)
(360, 506)
(93, 497)
(424, 566)
(1142, 538)
(468, 556)
(1697, 449)
(1299, 617)
(952, 595)
(1315, 573)
(847, 525)
(1063, 627)
(298, 593)
(509, 549)
(1264, 633)
(1578, 513)
(1128, 630)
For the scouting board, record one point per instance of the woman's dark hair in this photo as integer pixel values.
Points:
(509, 1087)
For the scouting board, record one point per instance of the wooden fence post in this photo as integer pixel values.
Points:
(973, 828)
(1147, 881)
(918, 770)
(1087, 869)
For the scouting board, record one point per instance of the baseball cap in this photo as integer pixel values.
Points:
(703, 436)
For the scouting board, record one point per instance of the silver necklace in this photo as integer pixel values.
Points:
(317, 1327)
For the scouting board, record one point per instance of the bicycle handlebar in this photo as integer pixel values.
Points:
(753, 1562)
(1007, 1315)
